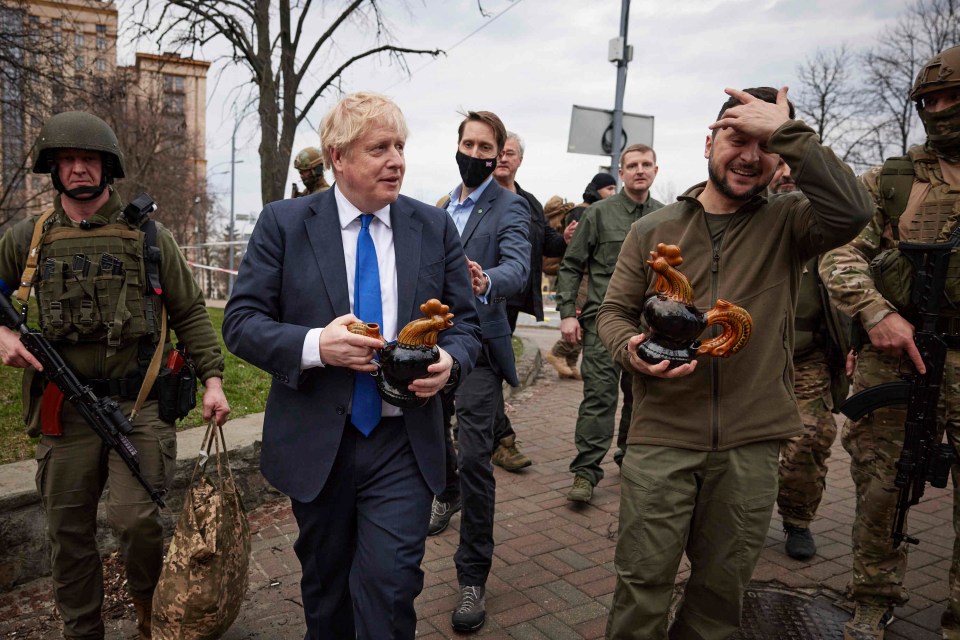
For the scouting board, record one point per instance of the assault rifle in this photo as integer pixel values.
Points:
(102, 414)
(924, 457)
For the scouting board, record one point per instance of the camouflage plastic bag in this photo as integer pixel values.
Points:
(204, 577)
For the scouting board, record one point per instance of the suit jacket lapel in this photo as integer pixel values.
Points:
(483, 205)
(407, 232)
(320, 229)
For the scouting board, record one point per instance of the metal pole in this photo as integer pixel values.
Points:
(616, 135)
(233, 171)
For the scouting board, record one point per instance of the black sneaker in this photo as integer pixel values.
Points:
(800, 544)
(469, 614)
(440, 515)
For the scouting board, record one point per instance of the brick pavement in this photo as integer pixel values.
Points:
(552, 574)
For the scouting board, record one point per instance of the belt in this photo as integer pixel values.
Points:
(125, 388)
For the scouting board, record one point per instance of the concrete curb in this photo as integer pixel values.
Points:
(25, 552)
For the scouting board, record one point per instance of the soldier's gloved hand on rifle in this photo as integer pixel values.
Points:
(13, 353)
(894, 335)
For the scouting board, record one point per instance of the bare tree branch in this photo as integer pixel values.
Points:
(269, 39)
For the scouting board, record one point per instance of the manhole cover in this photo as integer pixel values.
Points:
(771, 612)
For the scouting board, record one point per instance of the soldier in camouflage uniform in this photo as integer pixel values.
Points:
(309, 162)
(928, 213)
(803, 459)
(593, 253)
(106, 338)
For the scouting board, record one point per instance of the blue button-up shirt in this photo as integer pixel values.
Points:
(460, 212)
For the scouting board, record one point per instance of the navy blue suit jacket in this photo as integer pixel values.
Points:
(496, 236)
(293, 278)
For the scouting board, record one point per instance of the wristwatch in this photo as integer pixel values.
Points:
(454, 379)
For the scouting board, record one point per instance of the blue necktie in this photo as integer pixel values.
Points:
(367, 306)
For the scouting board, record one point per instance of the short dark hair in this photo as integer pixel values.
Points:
(767, 94)
(490, 119)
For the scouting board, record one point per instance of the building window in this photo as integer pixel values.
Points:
(78, 83)
(57, 24)
(101, 43)
(78, 40)
(172, 84)
(100, 64)
(78, 63)
(101, 29)
(173, 103)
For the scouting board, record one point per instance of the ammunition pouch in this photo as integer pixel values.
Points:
(123, 388)
(892, 275)
(176, 392)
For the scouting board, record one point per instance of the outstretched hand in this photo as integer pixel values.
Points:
(755, 117)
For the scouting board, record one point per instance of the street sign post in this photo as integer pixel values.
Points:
(591, 131)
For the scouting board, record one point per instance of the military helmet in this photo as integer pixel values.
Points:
(77, 130)
(308, 158)
(940, 72)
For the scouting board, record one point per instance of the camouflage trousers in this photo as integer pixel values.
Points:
(803, 459)
(874, 444)
(72, 471)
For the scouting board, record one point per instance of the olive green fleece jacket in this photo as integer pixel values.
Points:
(186, 311)
(748, 397)
(593, 251)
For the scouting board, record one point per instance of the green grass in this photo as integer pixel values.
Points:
(245, 385)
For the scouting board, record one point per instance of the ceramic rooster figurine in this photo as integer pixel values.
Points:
(675, 324)
(407, 358)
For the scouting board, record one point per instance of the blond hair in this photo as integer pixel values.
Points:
(350, 118)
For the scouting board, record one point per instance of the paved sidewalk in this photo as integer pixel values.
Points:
(553, 568)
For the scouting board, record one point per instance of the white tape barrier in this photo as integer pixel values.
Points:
(197, 265)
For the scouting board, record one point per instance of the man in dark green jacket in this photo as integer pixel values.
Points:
(593, 253)
(700, 473)
(97, 310)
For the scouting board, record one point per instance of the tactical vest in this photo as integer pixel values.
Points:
(935, 218)
(92, 286)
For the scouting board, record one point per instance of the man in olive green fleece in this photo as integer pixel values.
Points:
(593, 253)
(99, 313)
(700, 472)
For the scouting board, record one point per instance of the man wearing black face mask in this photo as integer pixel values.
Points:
(494, 226)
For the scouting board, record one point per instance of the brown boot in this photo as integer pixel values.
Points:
(563, 369)
(144, 609)
(508, 457)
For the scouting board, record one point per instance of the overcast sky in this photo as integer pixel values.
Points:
(531, 64)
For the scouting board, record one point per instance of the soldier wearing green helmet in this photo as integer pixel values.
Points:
(309, 162)
(917, 200)
(108, 283)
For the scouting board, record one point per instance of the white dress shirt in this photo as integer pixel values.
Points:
(382, 236)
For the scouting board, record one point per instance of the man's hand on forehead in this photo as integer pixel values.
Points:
(755, 117)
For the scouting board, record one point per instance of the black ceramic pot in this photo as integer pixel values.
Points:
(674, 331)
(399, 365)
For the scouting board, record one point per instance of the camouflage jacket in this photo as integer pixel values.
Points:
(845, 270)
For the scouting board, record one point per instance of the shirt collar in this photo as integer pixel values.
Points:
(348, 213)
(474, 196)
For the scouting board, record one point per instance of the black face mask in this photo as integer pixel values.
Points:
(475, 170)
